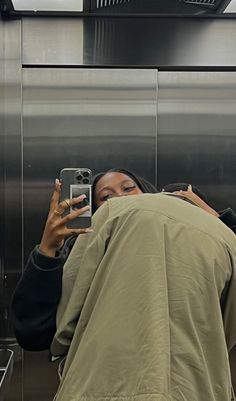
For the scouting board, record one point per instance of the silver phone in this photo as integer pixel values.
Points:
(75, 182)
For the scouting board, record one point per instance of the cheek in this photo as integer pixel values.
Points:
(137, 191)
(99, 203)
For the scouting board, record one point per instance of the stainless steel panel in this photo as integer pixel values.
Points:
(197, 137)
(161, 42)
(2, 130)
(79, 117)
(10, 210)
(89, 118)
(55, 41)
(197, 132)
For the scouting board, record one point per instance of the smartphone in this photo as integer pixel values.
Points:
(75, 182)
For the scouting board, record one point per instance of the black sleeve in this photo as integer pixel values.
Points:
(228, 217)
(36, 297)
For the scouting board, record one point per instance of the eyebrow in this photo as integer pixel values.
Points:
(122, 182)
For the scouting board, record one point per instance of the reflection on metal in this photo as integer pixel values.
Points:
(96, 118)
(11, 185)
(59, 41)
(6, 368)
(167, 43)
(135, 118)
(10, 215)
(196, 133)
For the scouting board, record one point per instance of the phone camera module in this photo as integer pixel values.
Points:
(79, 177)
(86, 174)
(85, 181)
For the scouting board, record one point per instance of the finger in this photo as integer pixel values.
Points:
(73, 215)
(56, 195)
(77, 231)
(179, 192)
(66, 203)
(190, 188)
(77, 213)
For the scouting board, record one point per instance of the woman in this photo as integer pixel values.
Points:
(38, 292)
(40, 285)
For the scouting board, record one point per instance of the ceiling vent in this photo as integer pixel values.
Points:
(107, 3)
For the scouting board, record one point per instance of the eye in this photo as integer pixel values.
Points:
(130, 188)
(106, 197)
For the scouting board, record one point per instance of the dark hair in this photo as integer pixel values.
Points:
(142, 183)
(182, 186)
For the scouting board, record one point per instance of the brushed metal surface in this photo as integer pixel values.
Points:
(102, 118)
(86, 118)
(11, 194)
(153, 42)
(94, 118)
(197, 134)
(11, 221)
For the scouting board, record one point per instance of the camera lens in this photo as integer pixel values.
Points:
(85, 181)
(85, 173)
(79, 177)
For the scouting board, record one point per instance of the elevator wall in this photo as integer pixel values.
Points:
(98, 93)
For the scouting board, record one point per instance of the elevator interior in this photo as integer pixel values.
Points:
(74, 94)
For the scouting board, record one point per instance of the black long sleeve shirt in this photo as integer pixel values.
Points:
(36, 298)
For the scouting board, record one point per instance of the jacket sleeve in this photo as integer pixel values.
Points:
(36, 298)
(78, 273)
(228, 217)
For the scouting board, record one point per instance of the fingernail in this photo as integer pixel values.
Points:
(88, 230)
(57, 184)
(81, 197)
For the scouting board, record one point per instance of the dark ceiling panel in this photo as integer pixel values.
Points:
(116, 7)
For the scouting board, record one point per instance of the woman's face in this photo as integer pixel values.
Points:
(114, 184)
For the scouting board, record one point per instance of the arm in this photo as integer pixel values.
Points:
(35, 300)
(189, 194)
(78, 273)
(37, 295)
(227, 216)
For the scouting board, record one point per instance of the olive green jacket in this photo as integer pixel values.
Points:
(148, 308)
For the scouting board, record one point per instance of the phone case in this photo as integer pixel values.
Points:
(75, 182)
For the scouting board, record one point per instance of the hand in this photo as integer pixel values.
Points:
(189, 194)
(55, 230)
